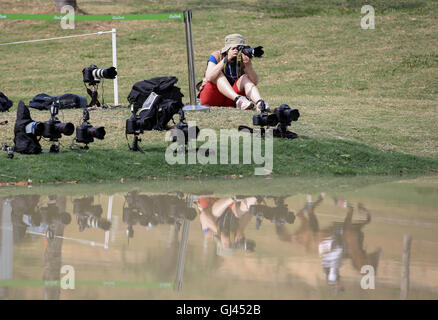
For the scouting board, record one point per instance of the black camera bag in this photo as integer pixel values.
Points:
(165, 108)
(24, 143)
(5, 103)
(43, 101)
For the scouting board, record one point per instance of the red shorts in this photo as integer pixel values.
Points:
(211, 96)
(206, 202)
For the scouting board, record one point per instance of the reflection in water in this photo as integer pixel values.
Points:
(89, 215)
(340, 240)
(216, 245)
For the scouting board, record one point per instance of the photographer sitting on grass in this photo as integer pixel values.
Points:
(230, 78)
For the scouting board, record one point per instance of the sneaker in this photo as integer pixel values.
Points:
(260, 104)
(243, 103)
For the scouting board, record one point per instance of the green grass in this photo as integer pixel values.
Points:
(367, 98)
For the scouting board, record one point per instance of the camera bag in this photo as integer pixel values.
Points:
(43, 101)
(5, 103)
(161, 112)
(25, 143)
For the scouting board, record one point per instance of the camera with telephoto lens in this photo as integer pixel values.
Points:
(89, 215)
(86, 133)
(278, 215)
(251, 52)
(92, 75)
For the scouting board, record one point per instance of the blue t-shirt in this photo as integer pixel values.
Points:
(231, 70)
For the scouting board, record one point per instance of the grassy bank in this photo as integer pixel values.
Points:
(367, 97)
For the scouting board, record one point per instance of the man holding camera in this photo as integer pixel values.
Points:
(230, 78)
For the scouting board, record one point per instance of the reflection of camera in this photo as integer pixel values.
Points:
(154, 210)
(86, 133)
(89, 215)
(251, 52)
(44, 218)
(278, 215)
(50, 214)
(92, 75)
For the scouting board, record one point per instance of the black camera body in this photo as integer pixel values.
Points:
(184, 127)
(135, 125)
(54, 128)
(251, 52)
(86, 133)
(92, 74)
(282, 116)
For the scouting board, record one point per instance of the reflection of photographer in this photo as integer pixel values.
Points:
(225, 220)
(230, 78)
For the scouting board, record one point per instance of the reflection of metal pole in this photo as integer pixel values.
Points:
(6, 246)
(404, 285)
(190, 56)
(182, 256)
(108, 216)
(172, 236)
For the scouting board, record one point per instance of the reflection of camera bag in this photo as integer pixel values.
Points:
(5, 103)
(161, 112)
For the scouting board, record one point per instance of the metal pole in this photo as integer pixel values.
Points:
(116, 85)
(190, 56)
(182, 256)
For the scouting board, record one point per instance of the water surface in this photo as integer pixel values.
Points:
(289, 238)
